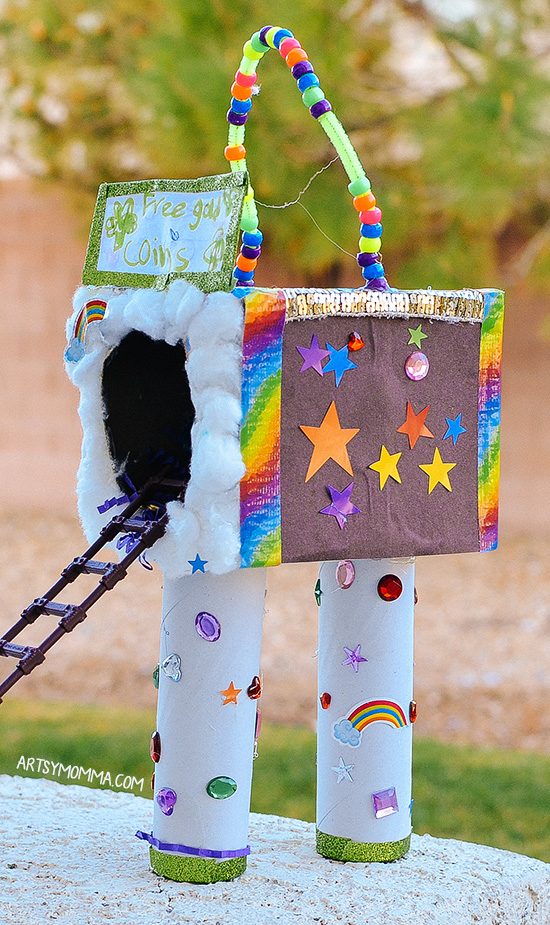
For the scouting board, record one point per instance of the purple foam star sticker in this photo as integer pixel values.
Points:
(341, 504)
(313, 356)
(339, 362)
(353, 657)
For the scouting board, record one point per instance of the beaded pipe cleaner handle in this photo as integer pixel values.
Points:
(369, 257)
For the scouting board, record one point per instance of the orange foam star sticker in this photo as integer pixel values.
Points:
(438, 472)
(329, 442)
(414, 425)
(231, 694)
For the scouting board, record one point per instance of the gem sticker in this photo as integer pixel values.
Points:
(166, 799)
(254, 690)
(390, 588)
(208, 626)
(343, 771)
(325, 700)
(417, 366)
(154, 747)
(345, 574)
(353, 657)
(171, 667)
(221, 788)
(385, 803)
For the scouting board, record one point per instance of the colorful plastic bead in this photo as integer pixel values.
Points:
(296, 55)
(257, 44)
(280, 35)
(320, 108)
(370, 216)
(236, 118)
(263, 34)
(241, 105)
(312, 95)
(413, 711)
(250, 52)
(244, 263)
(303, 67)
(370, 245)
(364, 201)
(240, 92)
(307, 80)
(253, 238)
(359, 186)
(252, 253)
(235, 153)
(375, 271)
(245, 80)
(243, 276)
(287, 45)
(249, 223)
(371, 231)
(366, 260)
(385, 803)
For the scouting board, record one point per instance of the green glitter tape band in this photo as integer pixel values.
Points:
(344, 849)
(195, 870)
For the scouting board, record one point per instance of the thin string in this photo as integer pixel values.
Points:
(296, 202)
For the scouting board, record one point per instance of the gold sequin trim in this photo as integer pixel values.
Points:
(461, 305)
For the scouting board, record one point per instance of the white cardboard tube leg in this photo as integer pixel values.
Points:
(364, 731)
(210, 656)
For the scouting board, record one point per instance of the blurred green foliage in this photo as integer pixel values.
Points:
(450, 119)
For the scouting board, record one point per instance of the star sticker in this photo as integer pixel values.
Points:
(342, 505)
(231, 694)
(343, 771)
(386, 466)
(354, 657)
(339, 362)
(417, 336)
(414, 425)
(438, 472)
(312, 356)
(329, 442)
(454, 428)
(197, 564)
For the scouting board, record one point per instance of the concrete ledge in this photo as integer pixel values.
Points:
(69, 855)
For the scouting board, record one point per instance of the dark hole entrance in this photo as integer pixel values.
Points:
(148, 411)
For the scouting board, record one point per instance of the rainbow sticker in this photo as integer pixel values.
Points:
(92, 311)
(377, 711)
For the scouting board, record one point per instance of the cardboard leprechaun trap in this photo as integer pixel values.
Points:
(227, 428)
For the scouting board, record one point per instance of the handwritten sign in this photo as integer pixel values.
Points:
(147, 233)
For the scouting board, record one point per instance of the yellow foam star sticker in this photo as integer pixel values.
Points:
(231, 694)
(438, 472)
(386, 466)
(329, 442)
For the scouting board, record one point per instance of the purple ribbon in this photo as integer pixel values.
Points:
(197, 852)
(127, 542)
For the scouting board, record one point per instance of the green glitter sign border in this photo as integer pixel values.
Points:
(208, 281)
